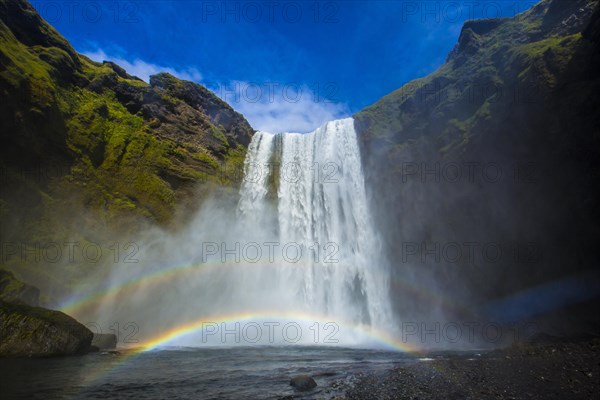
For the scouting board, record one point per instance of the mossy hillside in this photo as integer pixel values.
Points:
(116, 138)
(118, 159)
(483, 74)
(91, 154)
(500, 74)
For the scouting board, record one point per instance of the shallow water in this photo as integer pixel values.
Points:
(190, 373)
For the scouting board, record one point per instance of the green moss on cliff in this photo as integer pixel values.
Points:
(126, 149)
(493, 61)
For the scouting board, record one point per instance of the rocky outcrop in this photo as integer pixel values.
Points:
(197, 97)
(303, 383)
(104, 341)
(469, 40)
(27, 331)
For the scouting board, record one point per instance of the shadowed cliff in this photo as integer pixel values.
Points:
(496, 151)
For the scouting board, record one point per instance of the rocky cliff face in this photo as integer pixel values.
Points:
(91, 154)
(88, 150)
(85, 137)
(498, 147)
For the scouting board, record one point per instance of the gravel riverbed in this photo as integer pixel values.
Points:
(560, 370)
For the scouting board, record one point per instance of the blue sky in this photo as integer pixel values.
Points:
(286, 65)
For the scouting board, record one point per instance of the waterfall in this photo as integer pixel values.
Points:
(295, 251)
(309, 190)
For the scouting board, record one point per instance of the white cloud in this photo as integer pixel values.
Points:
(280, 107)
(271, 107)
(144, 70)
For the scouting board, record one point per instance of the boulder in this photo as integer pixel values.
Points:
(303, 382)
(27, 331)
(104, 341)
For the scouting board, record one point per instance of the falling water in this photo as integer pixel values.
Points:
(315, 186)
(297, 246)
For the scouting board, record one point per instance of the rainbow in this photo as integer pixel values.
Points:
(373, 338)
(380, 337)
(377, 338)
(81, 306)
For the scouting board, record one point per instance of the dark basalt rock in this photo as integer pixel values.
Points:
(483, 26)
(120, 71)
(27, 331)
(198, 97)
(104, 341)
(469, 40)
(30, 331)
(303, 383)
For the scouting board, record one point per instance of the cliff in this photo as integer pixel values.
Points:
(80, 136)
(498, 147)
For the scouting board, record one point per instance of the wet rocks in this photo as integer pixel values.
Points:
(303, 383)
(539, 371)
(30, 331)
(104, 341)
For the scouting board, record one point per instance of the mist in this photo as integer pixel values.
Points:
(309, 251)
(293, 257)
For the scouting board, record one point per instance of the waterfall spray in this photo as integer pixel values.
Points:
(294, 256)
(321, 207)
